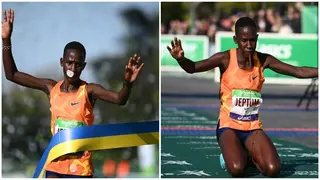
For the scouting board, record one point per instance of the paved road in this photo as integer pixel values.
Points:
(190, 107)
(279, 108)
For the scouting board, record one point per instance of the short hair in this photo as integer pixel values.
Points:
(75, 45)
(244, 22)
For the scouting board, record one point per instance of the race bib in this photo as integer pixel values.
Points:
(67, 124)
(245, 105)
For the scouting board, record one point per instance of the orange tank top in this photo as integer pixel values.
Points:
(69, 110)
(240, 95)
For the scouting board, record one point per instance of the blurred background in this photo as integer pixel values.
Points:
(190, 103)
(111, 33)
(204, 26)
(206, 18)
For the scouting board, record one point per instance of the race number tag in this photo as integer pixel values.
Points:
(67, 124)
(245, 105)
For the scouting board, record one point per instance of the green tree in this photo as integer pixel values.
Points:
(26, 115)
(25, 125)
(174, 10)
(143, 104)
(143, 39)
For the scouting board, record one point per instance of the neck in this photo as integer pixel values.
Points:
(246, 62)
(242, 59)
(68, 86)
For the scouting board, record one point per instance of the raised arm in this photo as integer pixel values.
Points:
(188, 65)
(10, 68)
(287, 69)
(132, 70)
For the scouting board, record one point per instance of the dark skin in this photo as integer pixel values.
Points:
(246, 40)
(73, 60)
(258, 145)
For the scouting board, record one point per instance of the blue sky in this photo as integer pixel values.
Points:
(41, 30)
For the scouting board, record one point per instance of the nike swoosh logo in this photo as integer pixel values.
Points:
(74, 103)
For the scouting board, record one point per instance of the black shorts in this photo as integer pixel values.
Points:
(242, 135)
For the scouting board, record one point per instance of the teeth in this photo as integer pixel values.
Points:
(70, 73)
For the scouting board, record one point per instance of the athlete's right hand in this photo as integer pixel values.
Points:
(7, 24)
(176, 51)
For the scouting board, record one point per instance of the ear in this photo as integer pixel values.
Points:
(235, 40)
(61, 62)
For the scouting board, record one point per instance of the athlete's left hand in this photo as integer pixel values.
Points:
(132, 69)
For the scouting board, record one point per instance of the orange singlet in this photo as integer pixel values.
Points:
(240, 95)
(69, 110)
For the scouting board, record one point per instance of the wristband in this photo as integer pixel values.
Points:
(6, 48)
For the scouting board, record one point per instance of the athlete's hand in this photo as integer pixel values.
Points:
(132, 69)
(7, 24)
(176, 51)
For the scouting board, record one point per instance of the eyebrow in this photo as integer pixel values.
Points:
(75, 60)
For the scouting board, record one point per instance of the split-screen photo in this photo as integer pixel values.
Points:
(159, 89)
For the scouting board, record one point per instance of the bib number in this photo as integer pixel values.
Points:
(245, 105)
(61, 124)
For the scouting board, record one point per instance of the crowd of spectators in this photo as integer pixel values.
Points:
(268, 20)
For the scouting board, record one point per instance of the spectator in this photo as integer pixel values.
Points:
(285, 28)
(296, 21)
(261, 20)
(268, 20)
(163, 29)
